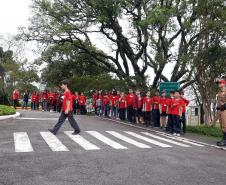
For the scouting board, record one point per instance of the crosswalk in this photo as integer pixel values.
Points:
(88, 141)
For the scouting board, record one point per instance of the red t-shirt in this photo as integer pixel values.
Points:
(113, 100)
(156, 101)
(147, 104)
(67, 97)
(130, 99)
(95, 101)
(169, 104)
(16, 95)
(139, 102)
(163, 104)
(176, 105)
(33, 97)
(82, 100)
(105, 100)
(44, 96)
(186, 103)
(122, 103)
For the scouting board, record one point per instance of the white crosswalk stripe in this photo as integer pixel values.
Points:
(81, 141)
(106, 140)
(183, 140)
(149, 140)
(53, 142)
(166, 140)
(22, 142)
(128, 140)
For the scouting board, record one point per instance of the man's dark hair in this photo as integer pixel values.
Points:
(65, 82)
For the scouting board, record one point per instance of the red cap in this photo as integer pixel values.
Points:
(222, 82)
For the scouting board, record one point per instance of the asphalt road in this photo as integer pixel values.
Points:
(166, 162)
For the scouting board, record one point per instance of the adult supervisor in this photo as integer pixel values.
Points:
(221, 107)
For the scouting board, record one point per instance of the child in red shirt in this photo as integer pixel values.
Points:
(163, 108)
(186, 103)
(16, 96)
(147, 108)
(33, 101)
(106, 102)
(177, 106)
(113, 104)
(156, 114)
(139, 107)
(122, 106)
(67, 112)
(130, 100)
(82, 103)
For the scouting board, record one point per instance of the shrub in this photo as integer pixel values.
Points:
(6, 110)
(213, 130)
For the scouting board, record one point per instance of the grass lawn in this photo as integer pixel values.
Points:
(6, 110)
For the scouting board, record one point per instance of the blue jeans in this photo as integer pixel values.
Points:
(113, 111)
(44, 105)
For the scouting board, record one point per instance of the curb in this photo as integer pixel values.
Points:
(10, 116)
(165, 134)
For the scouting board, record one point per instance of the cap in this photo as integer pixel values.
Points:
(222, 82)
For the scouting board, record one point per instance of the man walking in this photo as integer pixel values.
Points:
(67, 111)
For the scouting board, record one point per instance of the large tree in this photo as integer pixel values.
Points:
(142, 34)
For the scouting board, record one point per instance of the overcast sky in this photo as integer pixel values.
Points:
(13, 13)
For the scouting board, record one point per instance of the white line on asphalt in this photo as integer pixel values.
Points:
(128, 140)
(81, 141)
(182, 139)
(149, 140)
(166, 140)
(38, 119)
(106, 140)
(53, 142)
(22, 142)
(185, 140)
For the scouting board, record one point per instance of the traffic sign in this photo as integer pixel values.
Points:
(169, 86)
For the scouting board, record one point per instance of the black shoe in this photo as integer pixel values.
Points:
(221, 143)
(50, 130)
(76, 132)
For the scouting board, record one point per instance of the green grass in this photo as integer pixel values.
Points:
(6, 110)
(211, 131)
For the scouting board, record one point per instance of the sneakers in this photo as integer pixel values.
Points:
(174, 134)
(76, 132)
(50, 130)
(178, 135)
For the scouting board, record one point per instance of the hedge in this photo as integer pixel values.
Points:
(213, 130)
(6, 110)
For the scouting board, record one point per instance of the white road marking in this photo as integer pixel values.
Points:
(166, 140)
(128, 140)
(53, 142)
(81, 141)
(149, 140)
(183, 140)
(22, 142)
(106, 140)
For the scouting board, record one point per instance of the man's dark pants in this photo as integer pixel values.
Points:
(156, 117)
(62, 119)
(184, 122)
(130, 114)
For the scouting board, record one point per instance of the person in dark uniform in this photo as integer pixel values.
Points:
(221, 108)
(67, 111)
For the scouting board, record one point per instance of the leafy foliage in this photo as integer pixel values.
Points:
(6, 110)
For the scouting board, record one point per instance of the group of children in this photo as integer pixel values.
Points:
(49, 101)
(159, 111)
